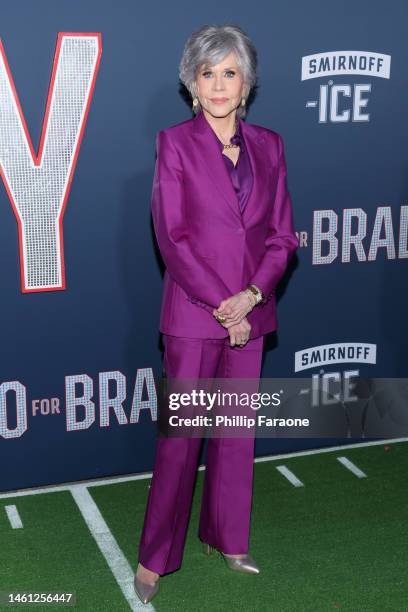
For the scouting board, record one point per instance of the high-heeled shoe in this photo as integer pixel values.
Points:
(145, 591)
(245, 564)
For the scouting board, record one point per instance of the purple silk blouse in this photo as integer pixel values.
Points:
(241, 174)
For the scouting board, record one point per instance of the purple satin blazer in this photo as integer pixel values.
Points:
(210, 248)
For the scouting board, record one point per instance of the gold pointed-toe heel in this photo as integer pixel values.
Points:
(246, 564)
(145, 591)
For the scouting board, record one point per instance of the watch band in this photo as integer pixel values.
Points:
(256, 292)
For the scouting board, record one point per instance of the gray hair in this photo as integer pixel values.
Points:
(208, 46)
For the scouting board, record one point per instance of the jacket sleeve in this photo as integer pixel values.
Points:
(201, 283)
(281, 241)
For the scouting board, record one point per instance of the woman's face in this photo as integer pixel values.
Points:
(220, 88)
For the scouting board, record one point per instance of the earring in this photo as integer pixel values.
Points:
(243, 102)
(195, 102)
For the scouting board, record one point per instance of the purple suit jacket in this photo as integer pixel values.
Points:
(210, 249)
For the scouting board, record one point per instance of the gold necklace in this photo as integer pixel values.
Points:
(231, 146)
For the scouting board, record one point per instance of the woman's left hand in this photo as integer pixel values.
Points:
(234, 309)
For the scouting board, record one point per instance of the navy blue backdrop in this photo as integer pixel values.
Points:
(345, 135)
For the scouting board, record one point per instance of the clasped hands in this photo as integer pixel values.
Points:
(234, 310)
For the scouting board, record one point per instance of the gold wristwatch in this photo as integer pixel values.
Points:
(256, 292)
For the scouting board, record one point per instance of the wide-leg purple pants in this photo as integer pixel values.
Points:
(227, 494)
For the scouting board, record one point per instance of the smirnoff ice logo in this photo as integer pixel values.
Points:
(340, 101)
(333, 376)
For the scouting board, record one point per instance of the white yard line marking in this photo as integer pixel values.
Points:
(329, 449)
(108, 546)
(100, 482)
(353, 468)
(14, 517)
(290, 476)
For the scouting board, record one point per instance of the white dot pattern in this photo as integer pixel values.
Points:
(38, 191)
(79, 419)
(328, 237)
(21, 410)
(355, 239)
(383, 221)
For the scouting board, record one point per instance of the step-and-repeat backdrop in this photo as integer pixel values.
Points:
(84, 88)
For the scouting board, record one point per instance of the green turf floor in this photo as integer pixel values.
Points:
(338, 543)
(55, 552)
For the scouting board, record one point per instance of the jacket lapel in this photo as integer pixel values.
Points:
(209, 150)
(255, 144)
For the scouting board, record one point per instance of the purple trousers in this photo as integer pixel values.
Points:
(227, 495)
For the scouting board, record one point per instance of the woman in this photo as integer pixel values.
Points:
(223, 221)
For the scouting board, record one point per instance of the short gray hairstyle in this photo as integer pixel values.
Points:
(208, 46)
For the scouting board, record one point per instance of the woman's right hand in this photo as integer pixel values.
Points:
(239, 333)
(235, 308)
